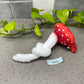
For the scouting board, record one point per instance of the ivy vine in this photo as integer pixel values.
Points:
(47, 18)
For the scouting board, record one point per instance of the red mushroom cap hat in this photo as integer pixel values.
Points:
(65, 36)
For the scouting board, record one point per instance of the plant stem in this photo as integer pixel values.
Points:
(31, 29)
(9, 35)
(53, 12)
(28, 29)
(55, 18)
(78, 24)
(40, 20)
(70, 20)
(33, 21)
(17, 30)
(75, 25)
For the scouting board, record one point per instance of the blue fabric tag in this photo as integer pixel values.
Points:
(55, 61)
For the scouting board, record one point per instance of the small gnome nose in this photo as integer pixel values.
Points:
(65, 36)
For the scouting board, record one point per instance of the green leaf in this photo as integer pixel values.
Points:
(36, 10)
(82, 16)
(23, 27)
(4, 22)
(3, 32)
(10, 26)
(35, 15)
(48, 17)
(71, 10)
(79, 18)
(63, 15)
(79, 14)
(37, 30)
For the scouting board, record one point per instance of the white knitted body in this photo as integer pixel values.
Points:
(41, 50)
(25, 57)
(51, 41)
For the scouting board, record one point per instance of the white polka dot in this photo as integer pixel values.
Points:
(57, 25)
(58, 29)
(71, 41)
(66, 34)
(68, 47)
(65, 44)
(63, 30)
(61, 42)
(67, 39)
(62, 35)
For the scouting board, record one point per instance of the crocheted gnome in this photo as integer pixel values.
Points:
(61, 34)
(65, 37)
